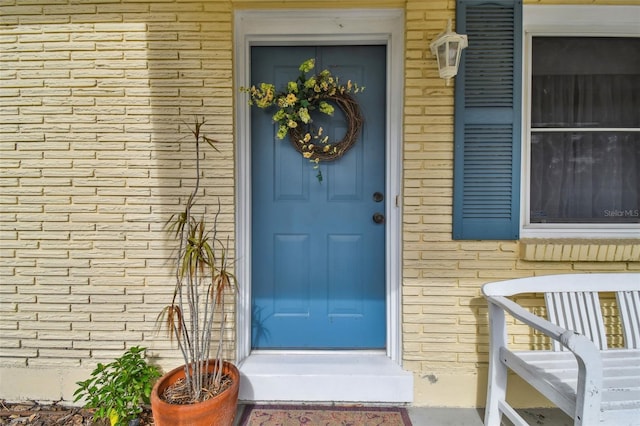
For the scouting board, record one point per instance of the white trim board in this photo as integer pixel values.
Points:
(337, 27)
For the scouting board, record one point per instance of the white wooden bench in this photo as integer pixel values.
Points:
(592, 383)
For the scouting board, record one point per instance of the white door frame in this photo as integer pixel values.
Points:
(338, 27)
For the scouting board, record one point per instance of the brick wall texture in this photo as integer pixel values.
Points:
(96, 98)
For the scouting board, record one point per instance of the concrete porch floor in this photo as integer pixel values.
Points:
(436, 416)
(433, 416)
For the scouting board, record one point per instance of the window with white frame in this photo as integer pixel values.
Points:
(582, 131)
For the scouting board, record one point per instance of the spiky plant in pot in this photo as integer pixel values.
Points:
(197, 308)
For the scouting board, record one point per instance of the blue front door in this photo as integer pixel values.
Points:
(318, 256)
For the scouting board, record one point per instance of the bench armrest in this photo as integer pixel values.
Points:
(575, 342)
(589, 385)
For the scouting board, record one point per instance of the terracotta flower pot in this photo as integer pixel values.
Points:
(218, 411)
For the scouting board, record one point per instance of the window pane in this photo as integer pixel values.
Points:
(585, 174)
(585, 177)
(585, 82)
(586, 101)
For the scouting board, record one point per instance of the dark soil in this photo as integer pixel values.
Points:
(35, 414)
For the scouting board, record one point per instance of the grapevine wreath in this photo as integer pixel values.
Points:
(295, 104)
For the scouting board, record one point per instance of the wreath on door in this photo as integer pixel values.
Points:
(303, 96)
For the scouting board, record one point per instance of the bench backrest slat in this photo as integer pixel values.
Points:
(629, 307)
(579, 311)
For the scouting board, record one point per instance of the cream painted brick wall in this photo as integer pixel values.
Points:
(444, 316)
(96, 99)
(93, 99)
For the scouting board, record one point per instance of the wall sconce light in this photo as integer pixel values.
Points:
(448, 48)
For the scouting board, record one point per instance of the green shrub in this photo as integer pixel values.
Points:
(117, 390)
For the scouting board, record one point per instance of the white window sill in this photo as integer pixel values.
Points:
(577, 232)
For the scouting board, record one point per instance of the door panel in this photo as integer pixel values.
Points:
(318, 258)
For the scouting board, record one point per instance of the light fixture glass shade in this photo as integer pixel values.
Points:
(447, 48)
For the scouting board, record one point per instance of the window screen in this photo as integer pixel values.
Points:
(585, 130)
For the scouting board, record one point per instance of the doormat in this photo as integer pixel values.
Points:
(312, 415)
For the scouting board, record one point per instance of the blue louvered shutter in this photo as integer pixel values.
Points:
(486, 202)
